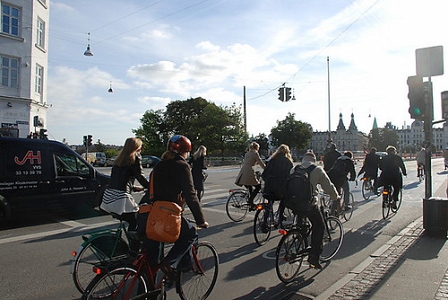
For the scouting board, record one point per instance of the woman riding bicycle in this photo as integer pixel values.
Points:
(173, 182)
(247, 177)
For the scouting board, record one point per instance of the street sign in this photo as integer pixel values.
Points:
(429, 61)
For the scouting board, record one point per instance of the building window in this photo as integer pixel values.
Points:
(10, 71)
(38, 84)
(10, 20)
(40, 33)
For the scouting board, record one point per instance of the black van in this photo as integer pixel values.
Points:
(38, 174)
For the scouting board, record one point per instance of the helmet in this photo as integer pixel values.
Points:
(179, 144)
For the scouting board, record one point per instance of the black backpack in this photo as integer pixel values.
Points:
(299, 192)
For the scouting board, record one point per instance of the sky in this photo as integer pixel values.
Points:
(153, 52)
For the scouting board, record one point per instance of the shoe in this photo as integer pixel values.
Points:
(394, 204)
(313, 261)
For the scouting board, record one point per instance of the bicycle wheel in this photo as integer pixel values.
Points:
(99, 249)
(237, 206)
(333, 237)
(289, 255)
(348, 208)
(122, 282)
(366, 189)
(386, 205)
(400, 196)
(263, 223)
(199, 282)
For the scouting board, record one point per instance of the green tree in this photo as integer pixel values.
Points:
(380, 138)
(153, 132)
(295, 134)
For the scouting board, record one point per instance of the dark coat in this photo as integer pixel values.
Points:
(371, 165)
(391, 165)
(276, 175)
(341, 168)
(122, 177)
(197, 165)
(330, 158)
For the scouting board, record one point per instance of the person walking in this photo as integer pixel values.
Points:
(330, 157)
(172, 181)
(197, 162)
(317, 176)
(391, 164)
(247, 177)
(275, 176)
(421, 157)
(126, 168)
(370, 168)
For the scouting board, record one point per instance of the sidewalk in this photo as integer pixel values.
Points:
(412, 265)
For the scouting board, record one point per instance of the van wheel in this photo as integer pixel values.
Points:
(5, 210)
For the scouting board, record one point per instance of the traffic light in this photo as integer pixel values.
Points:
(416, 95)
(43, 134)
(84, 140)
(89, 140)
(281, 94)
(287, 94)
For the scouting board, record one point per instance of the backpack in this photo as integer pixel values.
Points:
(299, 192)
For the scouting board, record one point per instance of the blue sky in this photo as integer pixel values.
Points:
(154, 52)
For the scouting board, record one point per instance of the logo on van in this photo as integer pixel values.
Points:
(29, 156)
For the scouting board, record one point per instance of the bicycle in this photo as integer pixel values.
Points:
(237, 204)
(388, 203)
(99, 246)
(368, 189)
(338, 210)
(138, 280)
(267, 218)
(293, 247)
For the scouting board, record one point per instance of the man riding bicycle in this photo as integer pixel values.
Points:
(370, 168)
(338, 174)
(391, 165)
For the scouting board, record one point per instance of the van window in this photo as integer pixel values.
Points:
(70, 165)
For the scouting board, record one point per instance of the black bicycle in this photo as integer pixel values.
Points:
(294, 246)
(389, 203)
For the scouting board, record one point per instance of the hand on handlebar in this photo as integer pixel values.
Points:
(204, 225)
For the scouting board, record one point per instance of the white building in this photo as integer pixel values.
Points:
(411, 138)
(24, 60)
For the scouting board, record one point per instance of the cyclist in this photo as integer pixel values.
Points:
(173, 182)
(197, 165)
(338, 174)
(330, 157)
(317, 176)
(275, 176)
(370, 168)
(421, 162)
(247, 177)
(126, 168)
(390, 172)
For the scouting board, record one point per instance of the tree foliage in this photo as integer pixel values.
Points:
(295, 134)
(380, 138)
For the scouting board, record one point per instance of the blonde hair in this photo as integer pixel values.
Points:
(127, 155)
(283, 149)
(254, 146)
(201, 151)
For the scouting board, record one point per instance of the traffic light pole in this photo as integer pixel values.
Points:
(428, 139)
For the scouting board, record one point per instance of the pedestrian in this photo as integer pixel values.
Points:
(275, 176)
(197, 162)
(317, 177)
(421, 158)
(330, 157)
(370, 168)
(172, 181)
(391, 164)
(126, 168)
(247, 177)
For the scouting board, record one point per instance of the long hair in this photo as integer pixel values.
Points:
(201, 151)
(126, 157)
(282, 149)
(254, 146)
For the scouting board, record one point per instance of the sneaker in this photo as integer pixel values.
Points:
(394, 204)
(313, 261)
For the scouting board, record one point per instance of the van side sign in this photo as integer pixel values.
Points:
(29, 156)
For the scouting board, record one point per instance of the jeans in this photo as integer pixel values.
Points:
(317, 234)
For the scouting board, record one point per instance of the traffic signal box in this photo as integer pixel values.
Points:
(416, 95)
(281, 94)
(89, 140)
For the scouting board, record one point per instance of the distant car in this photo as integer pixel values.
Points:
(381, 154)
(110, 161)
(149, 161)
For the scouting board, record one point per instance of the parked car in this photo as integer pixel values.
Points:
(110, 161)
(149, 161)
(95, 158)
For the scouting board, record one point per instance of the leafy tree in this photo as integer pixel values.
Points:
(380, 138)
(153, 132)
(295, 134)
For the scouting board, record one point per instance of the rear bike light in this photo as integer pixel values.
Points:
(97, 270)
(282, 231)
(385, 192)
(74, 253)
(365, 179)
(259, 206)
(230, 191)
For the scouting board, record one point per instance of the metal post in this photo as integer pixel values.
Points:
(428, 139)
(329, 111)
(244, 108)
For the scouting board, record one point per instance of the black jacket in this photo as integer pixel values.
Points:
(391, 165)
(276, 175)
(341, 168)
(330, 158)
(172, 177)
(123, 177)
(197, 165)
(371, 165)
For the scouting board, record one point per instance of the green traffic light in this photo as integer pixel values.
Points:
(417, 111)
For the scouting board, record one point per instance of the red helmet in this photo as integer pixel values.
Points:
(179, 144)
